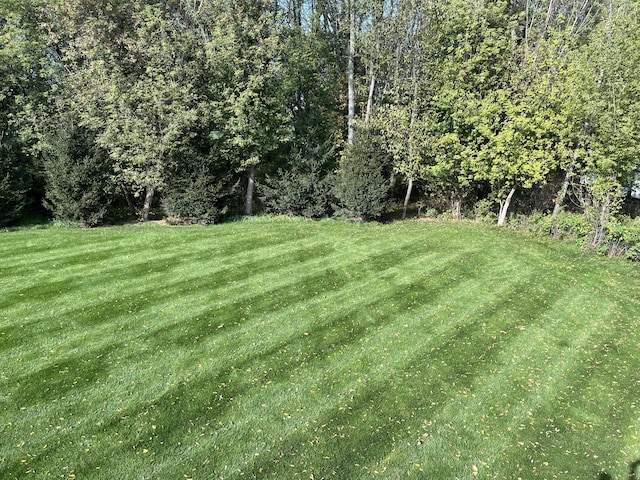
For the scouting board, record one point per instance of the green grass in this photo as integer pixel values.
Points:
(278, 348)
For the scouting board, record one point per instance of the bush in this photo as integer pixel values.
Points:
(570, 225)
(623, 238)
(621, 233)
(483, 211)
(567, 225)
(197, 192)
(303, 187)
(360, 185)
(431, 213)
(78, 175)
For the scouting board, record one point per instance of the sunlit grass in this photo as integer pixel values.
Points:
(281, 348)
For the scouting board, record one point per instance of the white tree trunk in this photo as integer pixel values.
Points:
(406, 198)
(601, 223)
(410, 152)
(248, 206)
(350, 72)
(504, 206)
(456, 208)
(372, 87)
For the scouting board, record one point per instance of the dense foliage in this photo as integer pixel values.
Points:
(523, 106)
(78, 176)
(303, 187)
(361, 187)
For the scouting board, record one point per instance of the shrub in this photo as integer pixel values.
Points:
(570, 225)
(197, 192)
(623, 238)
(567, 225)
(303, 187)
(360, 186)
(621, 234)
(484, 211)
(431, 213)
(78, 175)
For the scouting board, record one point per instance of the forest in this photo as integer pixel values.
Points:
(198, 110)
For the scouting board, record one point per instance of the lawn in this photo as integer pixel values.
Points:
(283, 348)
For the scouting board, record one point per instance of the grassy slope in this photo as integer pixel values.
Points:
(292, 349)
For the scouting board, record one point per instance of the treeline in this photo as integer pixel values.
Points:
(115, 108)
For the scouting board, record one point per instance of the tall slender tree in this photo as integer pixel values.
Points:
(255, 119)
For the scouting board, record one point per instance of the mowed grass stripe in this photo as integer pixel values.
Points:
(334, 364)
(529, 379)
(93, 335)
(348, 355)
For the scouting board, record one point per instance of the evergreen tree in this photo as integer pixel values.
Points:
(15, 181)
(303, 187)
(361, 186)
(79, 178)
(200, 186)
(197, 195)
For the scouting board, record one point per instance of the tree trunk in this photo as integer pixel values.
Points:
(599, 227)
(406, 198)
(410, 139)
(456, 208)
(372, 87)
(562, 193)
(545, 28)
(127, 197)
(350, 72)
(547, 20)
(504, 206)
(148, 200)
(248, 206)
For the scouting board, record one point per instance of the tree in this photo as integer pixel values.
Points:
(137, 92)
(472, 65)
(400, 115)
(24, 82)
(303, 187)
(79, 179)
(351, 53)
(522, 152)
(361, 187)
(601, 99)
(255, 122)
(310, 79)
